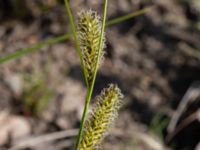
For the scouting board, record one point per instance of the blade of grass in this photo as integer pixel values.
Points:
(71, 20)
(33, 48)
(90, 89)
(62, 38)
(129, 16)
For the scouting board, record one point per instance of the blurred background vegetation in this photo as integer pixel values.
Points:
(152, 53)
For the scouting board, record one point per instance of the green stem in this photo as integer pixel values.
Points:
(83, 119)
(71, 20)
(90, 90)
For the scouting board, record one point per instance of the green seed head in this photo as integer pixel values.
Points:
(102, 117)
(89, 32)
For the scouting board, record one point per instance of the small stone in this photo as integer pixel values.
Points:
(13, 127)
(14, 81)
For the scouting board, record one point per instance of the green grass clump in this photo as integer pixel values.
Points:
(36, 94)
(158, 124)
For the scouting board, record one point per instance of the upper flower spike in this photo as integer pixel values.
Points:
(89, 32)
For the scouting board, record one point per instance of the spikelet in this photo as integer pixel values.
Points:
(88, 33)
(101, 118)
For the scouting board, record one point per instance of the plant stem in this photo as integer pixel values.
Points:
(71, 20)
(90, 90)
(83, 119)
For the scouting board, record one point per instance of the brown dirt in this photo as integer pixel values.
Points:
(154, 58)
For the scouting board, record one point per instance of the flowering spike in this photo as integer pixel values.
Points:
(102, 117)
(89, 33)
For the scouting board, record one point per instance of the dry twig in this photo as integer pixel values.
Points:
(191, 95)
(35, 141)
(186, 122)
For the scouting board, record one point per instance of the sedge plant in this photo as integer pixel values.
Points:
(89, 37)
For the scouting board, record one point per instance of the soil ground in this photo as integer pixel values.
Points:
(154, 58)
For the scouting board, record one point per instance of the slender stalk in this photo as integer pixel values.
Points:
(71, 20)
(129, 16)
(86, 106)
(33, 48)
(90, 90)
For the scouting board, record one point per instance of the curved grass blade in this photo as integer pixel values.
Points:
(33, 48)
(128, 16)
